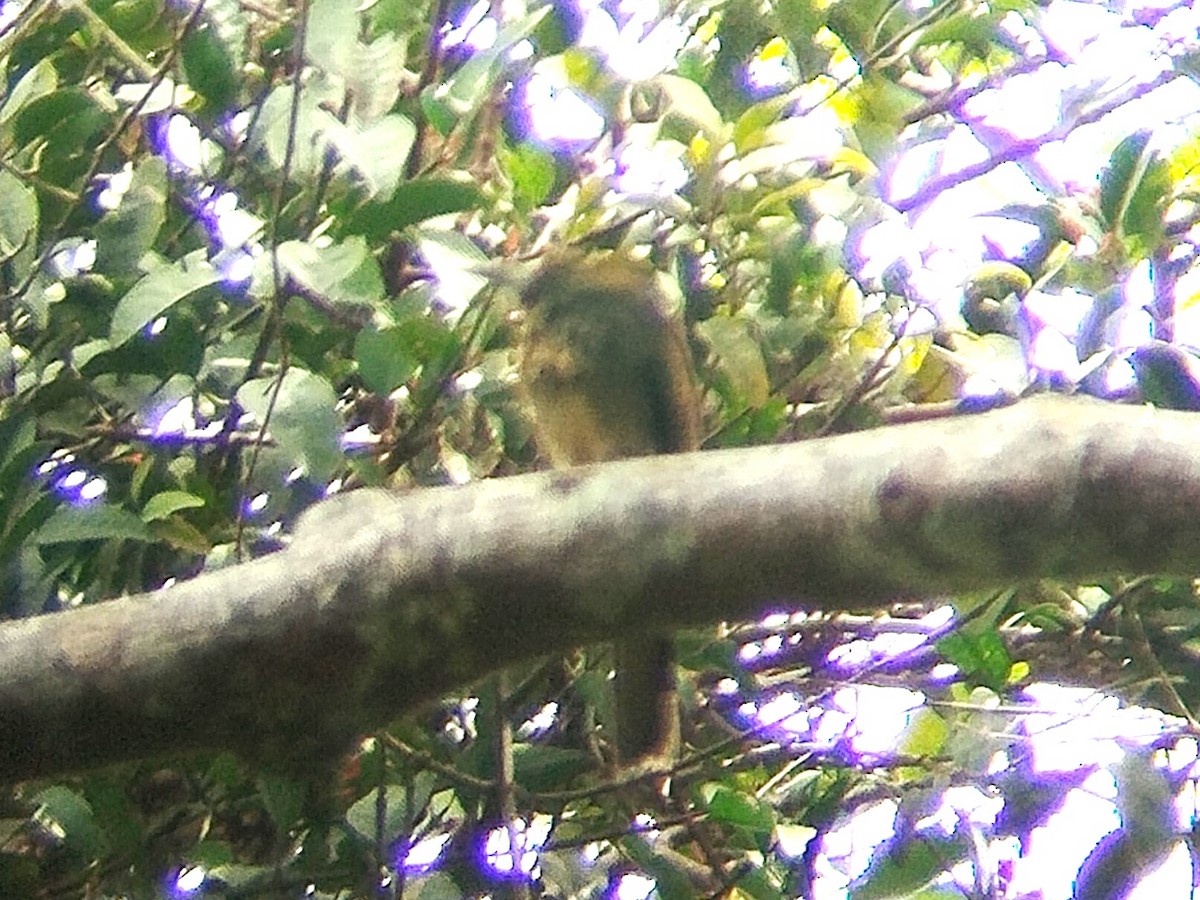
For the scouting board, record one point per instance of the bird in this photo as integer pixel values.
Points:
(608, 374)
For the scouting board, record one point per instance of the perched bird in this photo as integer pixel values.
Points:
(608, 374)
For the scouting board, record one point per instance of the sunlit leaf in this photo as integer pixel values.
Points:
(738, 809)
(532, 172)
(740, 360)
(157, 292)
(686, 102)
(924, 735)
(162, 505)
(303, 420)
(908, 865)
(126, 233)
(982, 657)
(343, 273)
(376, 153)
(18, 223)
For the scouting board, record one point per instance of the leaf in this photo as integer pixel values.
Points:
(182, 535)
(532, 172)
(388, 357)
(1119, 178)
(377, 152)
(982, 657)
(209, 67)
(343, 273)
(404, 807)
(924, 735)
(414, 201)
(688, 104)
(162, 505)
(544, 768)
(332, 42)
(750, 128)
(744, 383)
(39, 81)
(313, 124)
(970, 29)
(125, 234)
(303, 421)
(157, 292)
(65, 812)
(18, 224)
(283, 799)
(71, 116)
(472, 83)
(908, 865)
(94, 522)
(737, 808)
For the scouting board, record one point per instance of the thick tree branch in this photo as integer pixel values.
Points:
(385, 601)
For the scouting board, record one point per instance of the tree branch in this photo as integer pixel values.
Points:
(385, 601)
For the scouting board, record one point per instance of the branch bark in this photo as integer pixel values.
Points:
(385, 601)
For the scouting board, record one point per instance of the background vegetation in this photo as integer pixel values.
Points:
(249, 255)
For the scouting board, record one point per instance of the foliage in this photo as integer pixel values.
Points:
(249, 252)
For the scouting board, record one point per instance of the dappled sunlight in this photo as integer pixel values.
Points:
(253, 255)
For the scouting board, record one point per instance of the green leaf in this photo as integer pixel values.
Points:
(748, 131)
(388, 357)
(404, 806)
(982, 657)
(332, 42)
(689, 108)
(70, 116)
(303, 421)
(313, 125)
(1135, 188)
(162, 505)
(94, 522)
(179, 534)
(114, 814)
(210, 853)
(157, 292)
(209, 67)
(39, 81)
(18, 224)
(544, 768)
(337, 274)
(532, 172)
(283, 798)
(65, 812)
(737, 808)
(882, 107)
(414, 201)
(1119, 178)
(744, 382)
(377, 152)
(472, 83)
(977, 33)
(906, 867)
(924, 735)
(125, 234)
